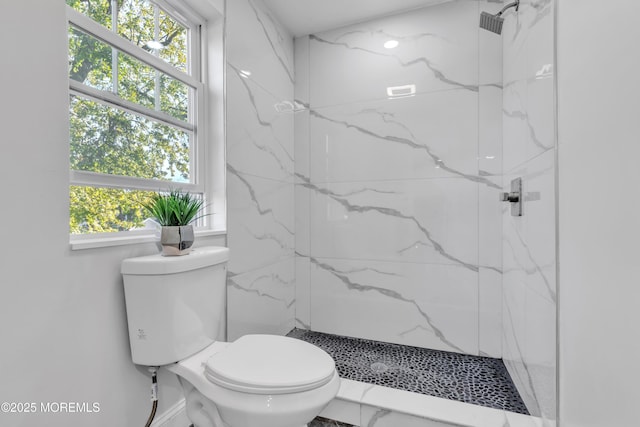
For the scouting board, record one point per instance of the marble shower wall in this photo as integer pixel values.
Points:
(529, 242)
(260, 171)
(397, 216)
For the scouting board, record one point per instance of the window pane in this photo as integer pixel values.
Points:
(109, 210)
(174, 97)
(113, 141)
(144, 24)
(136, 81)
(89, 60)
(105, 210)
(149, 27)
(110, 139)
(141, 83)
(90, 63)
(136, 22)
(174, 36)
(98, 10)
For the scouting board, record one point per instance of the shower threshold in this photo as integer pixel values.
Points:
(382, 380)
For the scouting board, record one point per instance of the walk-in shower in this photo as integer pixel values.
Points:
(494, 23)
(376, 217)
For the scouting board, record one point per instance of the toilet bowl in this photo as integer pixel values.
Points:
(175, 314)
(257, 381)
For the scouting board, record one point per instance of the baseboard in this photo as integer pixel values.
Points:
(175, 416)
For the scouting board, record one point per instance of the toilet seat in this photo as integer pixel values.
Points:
(270, 364)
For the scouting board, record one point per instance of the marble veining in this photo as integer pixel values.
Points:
(437, 161)
(301, 323)
(521, 369)
(529, 286)
(394, 194)
(286, 169)
(350, 207)
(285, 64)
(270, 291)
(543, 9)
(523, 116)
(244, 80)
(380, 413)
(261, 291)
(438, 74)
(477, 380)
(256, 109)
(389, 35)
(261, 210)
(261, 230)
(270, 236)
(389, 294)
(355, 294)
(530, 294)
(535, 268)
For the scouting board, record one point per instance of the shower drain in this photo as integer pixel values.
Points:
(379, 367)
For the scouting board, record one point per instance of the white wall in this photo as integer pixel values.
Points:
(529, 286)
(63, 332)
(599, 107)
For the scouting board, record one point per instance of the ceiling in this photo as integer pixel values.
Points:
(303, 17)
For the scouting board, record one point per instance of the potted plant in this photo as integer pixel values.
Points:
(175, 211)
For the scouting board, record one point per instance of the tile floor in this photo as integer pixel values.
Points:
(472, 379)
(324, 422)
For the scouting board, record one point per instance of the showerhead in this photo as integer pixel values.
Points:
(494, 23)
(491, 22)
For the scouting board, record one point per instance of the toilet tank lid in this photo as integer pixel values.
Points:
(158, 264)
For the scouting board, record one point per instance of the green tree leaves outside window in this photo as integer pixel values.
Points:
(106, 139)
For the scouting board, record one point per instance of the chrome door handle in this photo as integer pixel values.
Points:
(510, 197)
(514, 197)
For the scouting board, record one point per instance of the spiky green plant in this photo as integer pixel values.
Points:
(174, 208)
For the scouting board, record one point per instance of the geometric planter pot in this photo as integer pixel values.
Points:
(176, 240)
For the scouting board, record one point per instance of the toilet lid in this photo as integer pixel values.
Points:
(270, 364)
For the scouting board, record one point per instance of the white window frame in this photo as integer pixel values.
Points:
(194, 78)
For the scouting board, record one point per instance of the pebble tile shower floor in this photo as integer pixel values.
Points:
(478, 380)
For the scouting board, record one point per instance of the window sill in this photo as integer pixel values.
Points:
(81, 242)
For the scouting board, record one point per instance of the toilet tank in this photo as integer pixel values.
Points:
(175, 305)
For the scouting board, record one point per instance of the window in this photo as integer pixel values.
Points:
(136, 98)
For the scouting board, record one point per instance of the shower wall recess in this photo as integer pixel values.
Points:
(260, 172)
(529, 245)
(366, 202)
(398, 163)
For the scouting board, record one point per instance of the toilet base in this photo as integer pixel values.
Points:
(209, 405)
(202, 412)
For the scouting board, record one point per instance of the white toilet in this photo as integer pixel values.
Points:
(176, 311)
